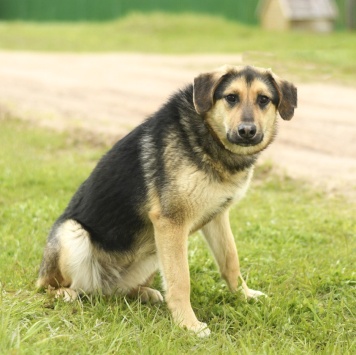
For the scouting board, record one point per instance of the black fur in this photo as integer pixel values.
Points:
(249, 74)
(107, 203)
(175, 173)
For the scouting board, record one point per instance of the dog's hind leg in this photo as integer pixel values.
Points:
(136, 280)
(147, 294)
(69, 264)
(222, 244)
(50, 275)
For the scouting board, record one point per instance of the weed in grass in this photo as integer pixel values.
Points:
(295, 244)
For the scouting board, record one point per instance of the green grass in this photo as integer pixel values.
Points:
(309, 56)
(295, 244)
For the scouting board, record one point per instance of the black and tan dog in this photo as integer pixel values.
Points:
(177, 172)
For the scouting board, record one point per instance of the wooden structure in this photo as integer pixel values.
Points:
(306, 15)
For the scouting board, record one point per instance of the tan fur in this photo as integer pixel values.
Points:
(222, 118)
(196, 198)
(193, 199)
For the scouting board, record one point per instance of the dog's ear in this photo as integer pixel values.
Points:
(288, 100)
(288, 97)
(204, 89)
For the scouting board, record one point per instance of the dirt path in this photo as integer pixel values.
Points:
(112, 93)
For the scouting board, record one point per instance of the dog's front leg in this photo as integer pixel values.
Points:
(221, 241)
(172, 248)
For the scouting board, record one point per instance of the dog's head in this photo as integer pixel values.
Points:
(240, 105)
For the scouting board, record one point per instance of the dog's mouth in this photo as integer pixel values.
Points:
(235, 138)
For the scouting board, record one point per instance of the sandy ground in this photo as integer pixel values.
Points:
(109, 94)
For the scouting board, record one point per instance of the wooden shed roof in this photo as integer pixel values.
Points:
(304, 9)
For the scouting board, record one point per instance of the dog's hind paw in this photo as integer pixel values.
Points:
(67, 294)
(147, 295)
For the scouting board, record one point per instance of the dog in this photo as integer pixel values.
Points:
(179, 171)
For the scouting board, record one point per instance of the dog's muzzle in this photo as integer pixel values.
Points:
(245, 135)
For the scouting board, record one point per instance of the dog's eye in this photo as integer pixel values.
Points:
(232, 99)
(263, 100)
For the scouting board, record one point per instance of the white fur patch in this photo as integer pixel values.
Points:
(76, 258)
(91, 270)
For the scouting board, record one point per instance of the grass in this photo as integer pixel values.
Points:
(329, 56)
(295, 244)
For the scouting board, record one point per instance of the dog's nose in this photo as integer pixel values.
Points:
(247, 130)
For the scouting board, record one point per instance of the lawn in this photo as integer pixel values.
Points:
(307, 55)
(295, 244)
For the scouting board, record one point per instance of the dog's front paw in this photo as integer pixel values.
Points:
(200, 329)
(249, 293)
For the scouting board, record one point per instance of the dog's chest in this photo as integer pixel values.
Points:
(204, 197)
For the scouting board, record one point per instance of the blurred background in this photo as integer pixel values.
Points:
(101, 67)
(340, 12)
